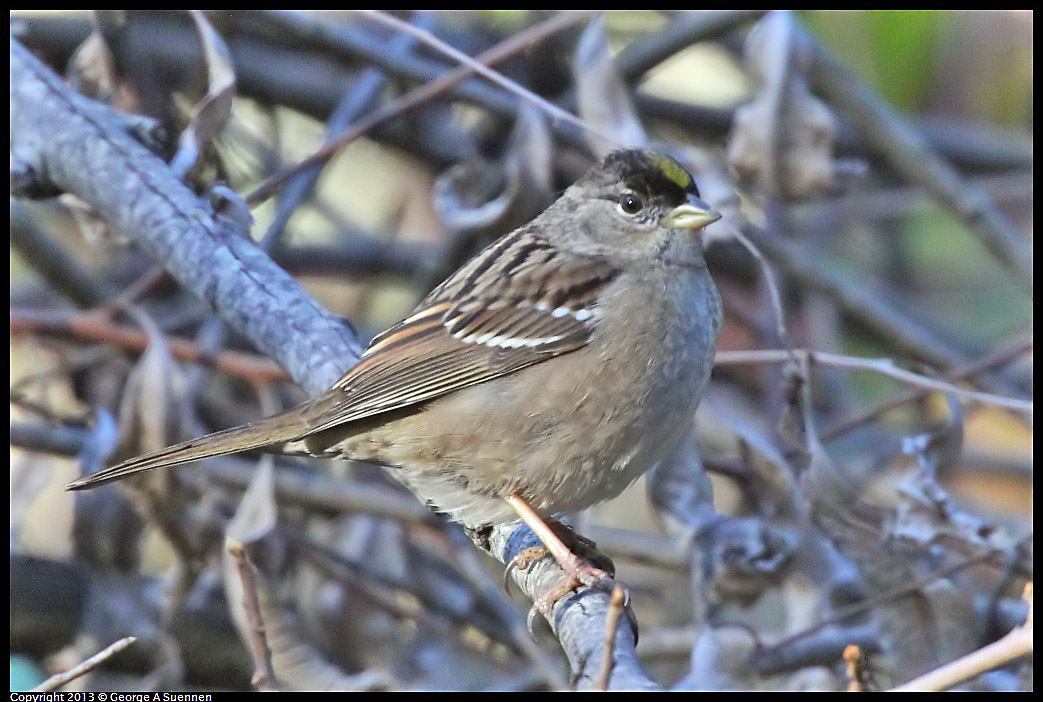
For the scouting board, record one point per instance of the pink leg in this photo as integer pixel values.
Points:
(577, 571)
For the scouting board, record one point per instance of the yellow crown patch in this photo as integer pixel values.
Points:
(671, 169)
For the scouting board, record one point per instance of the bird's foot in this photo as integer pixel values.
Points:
(577, 571)
(577, 574)
(560, 541)
(522, 561)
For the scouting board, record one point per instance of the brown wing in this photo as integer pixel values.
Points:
(479, 324)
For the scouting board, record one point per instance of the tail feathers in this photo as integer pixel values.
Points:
(267, 432)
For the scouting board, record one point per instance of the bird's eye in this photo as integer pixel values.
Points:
(631, 203)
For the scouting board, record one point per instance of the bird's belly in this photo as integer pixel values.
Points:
(563, 435)
(563, 442)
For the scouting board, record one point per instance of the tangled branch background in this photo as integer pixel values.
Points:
(211, 212)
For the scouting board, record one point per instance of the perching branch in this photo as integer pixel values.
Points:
(80, 147)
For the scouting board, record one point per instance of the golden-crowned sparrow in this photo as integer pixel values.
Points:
(544, 376)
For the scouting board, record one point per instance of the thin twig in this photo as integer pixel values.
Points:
(642, 55)
(264, 673)
(362, 95)
(56, 681)
(93, 327)
(769, 279)
(420, 95)
(1000, 357)
(1017, 643)
(615, 610)
(884, 366)
(884, 597)
(494, 76)
(50, 257)
(856, 669)
(858, 301)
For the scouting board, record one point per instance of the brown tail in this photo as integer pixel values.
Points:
(276, 429)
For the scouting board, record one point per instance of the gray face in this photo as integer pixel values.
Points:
(616, 209)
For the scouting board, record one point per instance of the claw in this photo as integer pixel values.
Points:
(530, 621)
(507, 580)
(587, 576)
(523, 560)
(577, 571)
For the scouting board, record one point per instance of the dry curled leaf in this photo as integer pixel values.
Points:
(926, 513)
(93, 70)
(145, 418)
(530, 154)
(473, 197)
(212, 112)
(145, 404)
(783, 140)
(482, 199)
(257, 513)
(603, 99)
(297, 664)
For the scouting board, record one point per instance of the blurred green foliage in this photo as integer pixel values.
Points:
(964, 288)
(977, 62)
(892, 50)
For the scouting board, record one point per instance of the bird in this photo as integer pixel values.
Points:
(544, 376)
